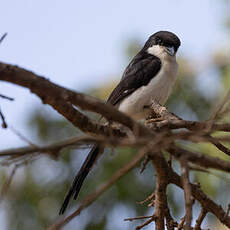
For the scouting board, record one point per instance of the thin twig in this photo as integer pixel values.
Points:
(22, 137)
(200, 219)
(144, 164)
(138, 218)
(3, 37)
(7, 182)
(149, 198)
(187, 192)
(219, 108)
(181, 224)
(202, 198)
(6, 97)
(146, 223)
(220, 146)
(100, 190)
(228, 210)
(4, 124)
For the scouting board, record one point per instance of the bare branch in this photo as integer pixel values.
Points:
(146, 223)
(171, 121)
(200, 219)
(149, 198)
(7, 182)
(100, 190)
(187, 192)
(138, 218)
(57, 96)
(220, 146)
(160, 193)
(65, 101)
(181, 224)
(57, 146)
(22, 137)
(200, 196)
(200, 159)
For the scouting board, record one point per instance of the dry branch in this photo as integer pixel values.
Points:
(57, 97)
(156, 136)
(160, 192)
(200, 219)
(187, 192)
(100, 190)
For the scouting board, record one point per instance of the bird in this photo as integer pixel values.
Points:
(149, 76)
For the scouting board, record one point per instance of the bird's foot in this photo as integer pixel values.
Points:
(152, 120)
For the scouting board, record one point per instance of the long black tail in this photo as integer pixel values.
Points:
(80, 177)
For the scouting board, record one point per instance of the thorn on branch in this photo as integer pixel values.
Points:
(22, 137)
(228, 210)
(170, 161)
(150, 199)
(146, 223)
(138, 218)
(181, 224)
(6, 97)
(145, 162)
(4, 124)
(3, 37)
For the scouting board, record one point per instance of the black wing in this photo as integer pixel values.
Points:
(138, 73)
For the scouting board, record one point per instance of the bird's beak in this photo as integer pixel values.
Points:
(170, 50)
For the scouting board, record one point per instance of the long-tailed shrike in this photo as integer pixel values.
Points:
(150, 76)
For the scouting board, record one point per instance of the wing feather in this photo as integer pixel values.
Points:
(138, 73)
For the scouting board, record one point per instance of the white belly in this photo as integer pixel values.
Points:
(158, 89)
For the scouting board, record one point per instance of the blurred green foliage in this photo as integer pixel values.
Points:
(37, 190)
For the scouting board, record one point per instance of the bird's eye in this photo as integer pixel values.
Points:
(159, 41)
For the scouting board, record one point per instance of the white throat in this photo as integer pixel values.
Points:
(159, 88)
(157, 51)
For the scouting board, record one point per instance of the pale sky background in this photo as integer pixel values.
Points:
(78, 44)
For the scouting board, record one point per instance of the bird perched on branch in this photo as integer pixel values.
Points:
(150, 76)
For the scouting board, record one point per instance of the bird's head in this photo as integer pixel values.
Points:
(162, 42)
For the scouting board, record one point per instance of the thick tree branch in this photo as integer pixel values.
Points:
(160, 192)
(57, 96)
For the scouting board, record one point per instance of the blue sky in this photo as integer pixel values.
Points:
(78, 44)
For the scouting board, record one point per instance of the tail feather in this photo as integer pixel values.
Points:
(80, 177)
